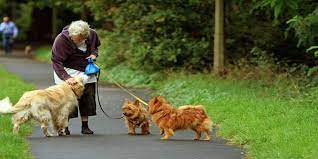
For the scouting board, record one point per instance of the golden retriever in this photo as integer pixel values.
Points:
(168, 119)
(51, 105)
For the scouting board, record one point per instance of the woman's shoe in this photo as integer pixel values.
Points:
(86, 130)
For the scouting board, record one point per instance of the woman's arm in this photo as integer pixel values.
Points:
(94, 42)
(59, 55)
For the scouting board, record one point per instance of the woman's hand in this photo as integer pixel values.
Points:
(71, 81)
(92, 56)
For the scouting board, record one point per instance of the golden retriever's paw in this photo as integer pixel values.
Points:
(48, 135)
(62, 134)
(131, 133)
(164, 138)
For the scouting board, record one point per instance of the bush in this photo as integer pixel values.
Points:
(156, 35)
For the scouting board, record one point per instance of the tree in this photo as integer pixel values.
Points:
(218, 64)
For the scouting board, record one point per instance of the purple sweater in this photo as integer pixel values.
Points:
(66, 54)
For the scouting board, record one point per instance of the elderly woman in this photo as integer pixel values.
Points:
(70, 51)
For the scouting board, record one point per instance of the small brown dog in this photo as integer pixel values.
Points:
(168, 119)
(136, 116)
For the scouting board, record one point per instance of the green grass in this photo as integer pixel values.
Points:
(130, 78)
(13, 146)
(43, 54)
(269, 121)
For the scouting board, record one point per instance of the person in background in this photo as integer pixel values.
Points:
(70, 51)
(9, 33)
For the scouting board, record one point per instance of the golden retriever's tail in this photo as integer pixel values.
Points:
(7, 108)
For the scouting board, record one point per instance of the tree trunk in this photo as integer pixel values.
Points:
(218, 62)
(84, 11)
(54, 21)
(13, 10)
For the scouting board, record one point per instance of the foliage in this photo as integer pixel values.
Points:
(3, 7)
(101, 9)
(313, 48)
(245, 30)
(24, 19)
(279, 7)
(155, 36)
(162, 35)
(305, 28)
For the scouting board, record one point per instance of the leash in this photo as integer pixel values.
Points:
(99, 101)
(97, 87)
(126, 90)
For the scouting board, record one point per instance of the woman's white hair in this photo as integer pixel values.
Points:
(79, 27)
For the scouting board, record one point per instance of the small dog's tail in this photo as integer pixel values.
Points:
(7, 108)
(208, 124)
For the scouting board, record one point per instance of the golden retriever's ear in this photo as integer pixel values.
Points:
(137, 102)
(79, 79)
(78, 89)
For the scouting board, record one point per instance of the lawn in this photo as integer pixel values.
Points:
(43, 54)
(13, 146)
(265, 122)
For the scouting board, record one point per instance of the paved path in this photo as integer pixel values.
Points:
(110, 140)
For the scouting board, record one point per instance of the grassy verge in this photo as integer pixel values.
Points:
(266, 123)
(269, 121)
(13, 146)
(43, 54)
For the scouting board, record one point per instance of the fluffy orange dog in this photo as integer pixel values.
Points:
(168, 119)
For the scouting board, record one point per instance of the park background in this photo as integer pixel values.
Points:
(262, 96)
